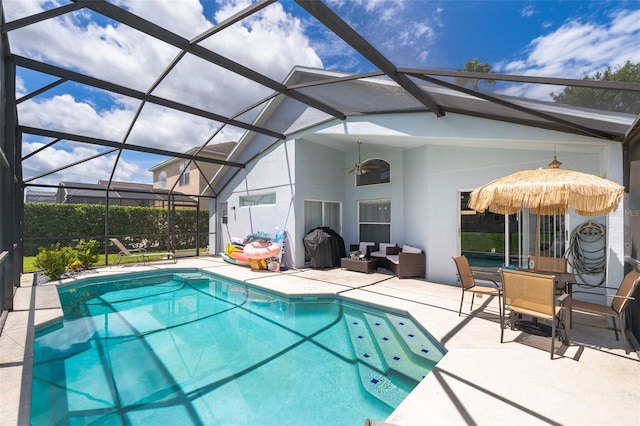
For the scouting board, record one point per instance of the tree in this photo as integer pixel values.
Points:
(605, 99)
(475, 66)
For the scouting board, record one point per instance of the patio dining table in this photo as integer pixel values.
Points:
(565, 280)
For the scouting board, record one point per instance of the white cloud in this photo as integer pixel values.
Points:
(271, 42)
(528, 11)
(402, 30)
(91, 171)
(580, 48)
(575, 50)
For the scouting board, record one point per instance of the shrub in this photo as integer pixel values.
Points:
(75, 265)
(87, 253)
(54, 260)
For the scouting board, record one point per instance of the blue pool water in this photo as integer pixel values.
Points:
(191, 348)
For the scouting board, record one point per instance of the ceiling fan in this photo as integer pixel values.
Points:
(359, 169)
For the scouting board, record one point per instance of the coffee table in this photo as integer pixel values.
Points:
(365, 265)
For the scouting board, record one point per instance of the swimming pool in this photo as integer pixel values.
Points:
(189, 347)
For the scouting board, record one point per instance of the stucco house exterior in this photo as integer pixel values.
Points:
(303, 180)
(175, 174)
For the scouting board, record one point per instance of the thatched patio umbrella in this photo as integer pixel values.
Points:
(548, 192)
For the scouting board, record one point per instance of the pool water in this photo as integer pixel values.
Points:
(187, 347)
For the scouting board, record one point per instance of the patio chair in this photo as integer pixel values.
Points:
(137, 252)
(534, 295)
(468, 283)
(555, 266)
(617, 307)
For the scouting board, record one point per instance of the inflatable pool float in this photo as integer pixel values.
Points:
(236, 252)
(261, 250)
(233, 261)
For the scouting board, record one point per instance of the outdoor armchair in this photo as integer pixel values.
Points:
(617, 307)
(534, 295)
(553, 266)
(468, 283)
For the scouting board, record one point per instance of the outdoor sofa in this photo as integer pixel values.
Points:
(406, 262)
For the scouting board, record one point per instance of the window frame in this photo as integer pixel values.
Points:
(253, 200)
(363, 180)
(185, 173)
(388, 224)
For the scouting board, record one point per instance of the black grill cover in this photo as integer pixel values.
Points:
(325, 246)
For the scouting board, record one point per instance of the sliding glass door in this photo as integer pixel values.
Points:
(492, 240)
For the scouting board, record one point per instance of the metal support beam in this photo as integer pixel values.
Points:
(332, 21)
(493, 99)
(129, 147)
(136, 94)
(114, 12)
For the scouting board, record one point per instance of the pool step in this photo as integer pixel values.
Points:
(416, 340)
(392, 349)
(381, 387)
(365, 347)
(371, 365)
(191, 277)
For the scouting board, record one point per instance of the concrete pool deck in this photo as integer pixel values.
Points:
(479, 381)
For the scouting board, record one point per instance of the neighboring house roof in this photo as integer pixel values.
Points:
(218, 150)
(119, 190)
(40, 197)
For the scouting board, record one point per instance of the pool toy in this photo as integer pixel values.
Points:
(258, 264)
(233, 261)
(236, 251)
(261, 250)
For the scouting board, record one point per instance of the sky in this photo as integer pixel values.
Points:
(547, 38)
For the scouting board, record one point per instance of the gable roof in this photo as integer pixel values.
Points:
(218, 150)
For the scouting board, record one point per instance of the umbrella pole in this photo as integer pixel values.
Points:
(537, 250)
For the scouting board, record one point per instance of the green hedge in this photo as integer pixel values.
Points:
(485, 241)
(46, 224)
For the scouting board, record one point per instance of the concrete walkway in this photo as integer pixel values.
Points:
(479, 381)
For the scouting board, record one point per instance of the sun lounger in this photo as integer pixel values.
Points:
(137, 252)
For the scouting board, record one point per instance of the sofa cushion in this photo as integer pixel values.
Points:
(410, 249)
(394, 258)
(363, 246)
(383, 246)
(382, 252)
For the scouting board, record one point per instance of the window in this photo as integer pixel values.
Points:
(184, 176)
(491, 240)
(162, 179)
(375, 171)
(258, 200)
(321, 213)
(224, 209)
(374, 220)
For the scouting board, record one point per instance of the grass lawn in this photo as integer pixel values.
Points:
(29, 263)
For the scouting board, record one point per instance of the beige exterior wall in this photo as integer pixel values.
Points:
(197, 183)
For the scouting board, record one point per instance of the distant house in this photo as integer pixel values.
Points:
(40, 197)
(175, 174)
